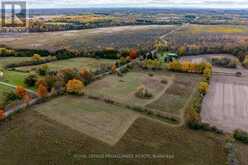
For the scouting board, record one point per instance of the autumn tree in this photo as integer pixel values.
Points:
(207, 73)
(85, 75)
(42, 90)
(1, 114)
(175, 65)
(36, 57)
(133, 54)
(21, 91)
(203, 88)
(41, 82)
(113, 69)
(186, 66)
(75, 87)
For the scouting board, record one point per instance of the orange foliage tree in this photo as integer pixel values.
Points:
(41, 82)
(133, 54)
(36, 57)
(1, 114)
(114, 68)
(75, 87)
(42, 90)
(21, 91)
(85, 74)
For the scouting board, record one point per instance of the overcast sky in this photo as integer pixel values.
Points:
(137, 3)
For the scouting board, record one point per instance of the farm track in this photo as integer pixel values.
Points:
(173, 31)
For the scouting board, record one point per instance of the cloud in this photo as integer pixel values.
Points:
(138, 3)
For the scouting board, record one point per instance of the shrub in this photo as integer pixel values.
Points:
(241, 136)
(43, 70)
(36, 57)
(203, 88)
(31, 80)
(10, 97)
(142, 92)
(75, 87)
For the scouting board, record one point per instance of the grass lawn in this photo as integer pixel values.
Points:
(176, 96)
(89, 63)
(7, 60)
(3, 89)
(97, 119)
(31, 138)
(122, 89)
(15, 78)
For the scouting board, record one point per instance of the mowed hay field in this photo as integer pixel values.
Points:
(175, 98)
(122, 89)
(107, 123)
(87, 63)
(116, 37)
(225, 105)
(31, 138)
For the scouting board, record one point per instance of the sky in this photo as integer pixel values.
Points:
(137, 3)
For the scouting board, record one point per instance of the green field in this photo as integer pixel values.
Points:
(3, 89)
(15, 78)
(88, 63)
(31, 138)
(122, 89)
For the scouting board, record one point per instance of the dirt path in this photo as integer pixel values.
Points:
(170, 82)
(173, 31)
